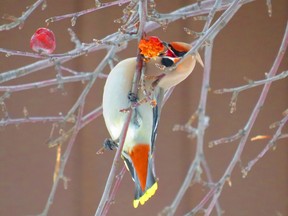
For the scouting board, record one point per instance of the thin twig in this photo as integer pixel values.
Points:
(211, 14)
(97, 71)
(20, 20)
(270, 144)
(114, 190)
(229, 139)
(43, 119)
(81, 98)
(203, 120)
(84, 12)
(193, 10)
(253, 84)
(210, 34)
(63, 163)
(88, 118)
(9, 53)
(46, 83)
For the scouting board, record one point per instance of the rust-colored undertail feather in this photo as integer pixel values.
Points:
(139, 156)
(145, 182)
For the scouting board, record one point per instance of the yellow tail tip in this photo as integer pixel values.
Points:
(146, 196)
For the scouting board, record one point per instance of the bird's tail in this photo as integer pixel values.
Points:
(141, 167)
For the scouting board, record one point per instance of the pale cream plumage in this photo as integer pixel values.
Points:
(139, 144)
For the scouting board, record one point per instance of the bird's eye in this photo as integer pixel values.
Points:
(167, 62)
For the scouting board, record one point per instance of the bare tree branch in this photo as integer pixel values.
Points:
(253, 84)
(74, 16)
(20, 20)
(226, 176)
(102, 210)
(202, 124)
(270, 144)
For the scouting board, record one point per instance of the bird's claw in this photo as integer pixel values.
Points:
(132, 97)
(110, 144)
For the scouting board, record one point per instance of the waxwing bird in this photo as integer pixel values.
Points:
(139, 144)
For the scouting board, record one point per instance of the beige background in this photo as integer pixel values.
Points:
(245, 48)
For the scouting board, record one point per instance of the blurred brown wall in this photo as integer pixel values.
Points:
(245, 48)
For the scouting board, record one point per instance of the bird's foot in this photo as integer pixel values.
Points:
(110, 144)
(132, 97)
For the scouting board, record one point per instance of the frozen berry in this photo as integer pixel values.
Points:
(43, 41)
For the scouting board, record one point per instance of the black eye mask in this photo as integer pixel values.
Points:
(171, 53)
(177, 53)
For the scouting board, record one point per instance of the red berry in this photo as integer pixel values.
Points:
(43, 41)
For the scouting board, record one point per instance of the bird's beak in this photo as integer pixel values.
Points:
(175, 60)
(198, 59)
